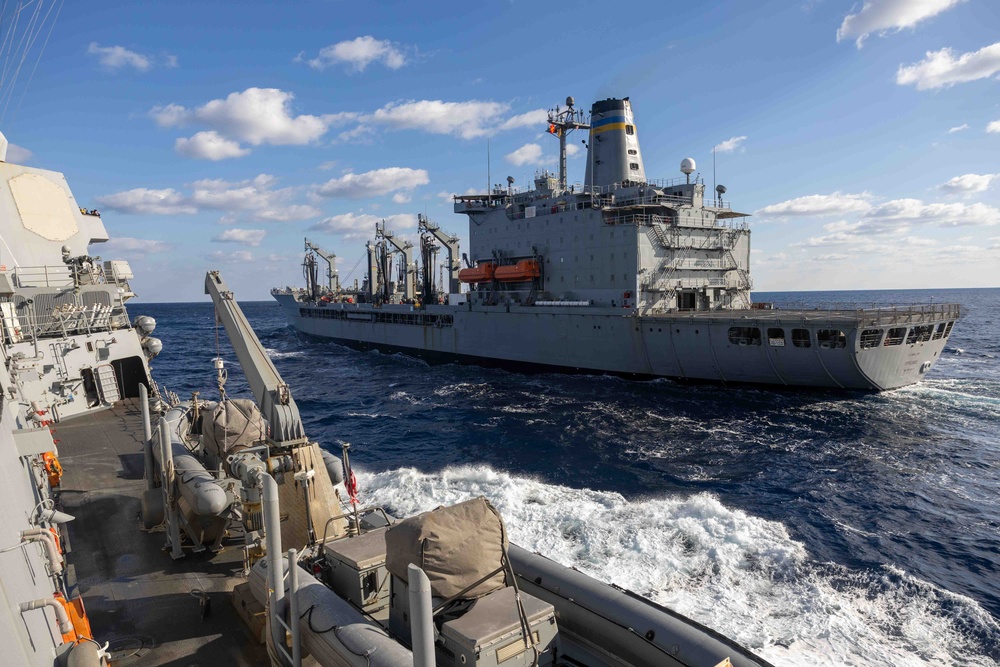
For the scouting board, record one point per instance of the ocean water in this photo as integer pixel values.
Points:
(814, 527)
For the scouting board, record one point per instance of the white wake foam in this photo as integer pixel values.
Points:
(739, 574)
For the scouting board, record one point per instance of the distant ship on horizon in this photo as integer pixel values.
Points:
(622, 275)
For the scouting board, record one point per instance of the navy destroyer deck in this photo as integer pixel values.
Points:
(144, 604)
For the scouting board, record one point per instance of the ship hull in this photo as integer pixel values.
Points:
(695, 347)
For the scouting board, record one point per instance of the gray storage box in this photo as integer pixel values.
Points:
(489, 634)
(357, 569)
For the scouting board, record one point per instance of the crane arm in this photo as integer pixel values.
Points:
(271, 393)
(449, 241)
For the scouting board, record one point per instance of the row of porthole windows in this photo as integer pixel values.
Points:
(896, 336)
(835, 339)
(825, 338)
(776, 337)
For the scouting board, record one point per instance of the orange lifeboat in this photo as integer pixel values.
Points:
(477, 274)
(526, 269)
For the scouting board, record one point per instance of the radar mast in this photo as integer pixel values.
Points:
(561, 123)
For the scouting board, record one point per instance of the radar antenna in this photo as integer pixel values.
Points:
(561, 123)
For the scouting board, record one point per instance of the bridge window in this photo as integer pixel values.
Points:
(630, 129)
(895, 336)
(634, 166)
(871, 338)
(744, 335)
(633, 151)
(947, 331)
(776, 337)
(940, 330)
(831, 338)
(800, 338)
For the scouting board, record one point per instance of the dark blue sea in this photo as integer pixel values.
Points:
(815, 527)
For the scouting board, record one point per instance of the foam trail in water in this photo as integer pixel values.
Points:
(739, 574)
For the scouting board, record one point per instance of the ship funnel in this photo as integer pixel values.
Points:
(613, 155)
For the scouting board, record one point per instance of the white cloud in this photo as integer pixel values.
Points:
(572, 149)
(467, 120)
(528, 154)
(209, 145)
(818, 205)
(914, 211)
(18, 154)
(359, 134)
(169, 115)
(254, 199)
(250, 237)
(993, 127)
(362, 225)
(118, 57)
(358, 53)
(256, 116)
(401, 198)
(146, 201)
(373, 183)
(832, 257)
(969, 183)
(941, 69)
(126, 245)
(883, 16)
(958, 128)
(533, 118)
(729, 145)
(231, 257)
(893, 219)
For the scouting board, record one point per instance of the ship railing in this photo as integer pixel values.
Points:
(879, 314)
(60, 315)
(67, 275)
(646, 219)
(44, 276)
(673, 284)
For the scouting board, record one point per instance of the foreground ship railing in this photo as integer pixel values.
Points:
(57, 301)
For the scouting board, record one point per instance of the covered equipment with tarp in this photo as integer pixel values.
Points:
(455, 546)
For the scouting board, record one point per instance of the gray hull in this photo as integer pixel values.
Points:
(751, 346)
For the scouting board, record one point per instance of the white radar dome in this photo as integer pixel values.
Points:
(688, 166)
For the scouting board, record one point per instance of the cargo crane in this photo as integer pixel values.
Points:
(332, 276)
(409, 266)
(450, 244)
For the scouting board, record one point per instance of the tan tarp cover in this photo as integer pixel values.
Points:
(456, 546)
(235, 424)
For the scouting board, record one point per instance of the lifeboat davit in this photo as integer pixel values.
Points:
(526, 269)
(477, 274)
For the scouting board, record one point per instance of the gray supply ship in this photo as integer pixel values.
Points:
(622, 275)
(142, 529)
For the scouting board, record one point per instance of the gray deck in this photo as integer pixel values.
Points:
(137, 598)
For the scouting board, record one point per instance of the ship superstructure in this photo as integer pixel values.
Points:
(619, 274)
(69, 350)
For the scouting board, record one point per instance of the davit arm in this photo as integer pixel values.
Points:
(272, 394)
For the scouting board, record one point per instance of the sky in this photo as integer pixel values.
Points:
(863, 137)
